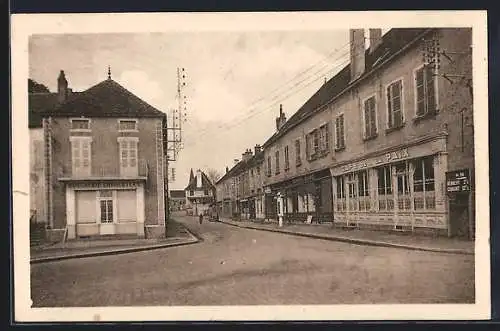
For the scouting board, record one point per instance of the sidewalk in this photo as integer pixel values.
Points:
(365, 237)
(98, 247)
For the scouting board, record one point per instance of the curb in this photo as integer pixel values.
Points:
(365, 242)
(191, 241)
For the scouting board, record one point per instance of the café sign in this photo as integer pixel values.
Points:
(458, 181)
(388, 157)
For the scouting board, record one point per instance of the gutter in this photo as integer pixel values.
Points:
(351, 85)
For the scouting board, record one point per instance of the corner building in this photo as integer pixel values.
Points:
(371, 148)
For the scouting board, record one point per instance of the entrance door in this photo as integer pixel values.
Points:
(106, 213)
(403, 187)
(459, 215)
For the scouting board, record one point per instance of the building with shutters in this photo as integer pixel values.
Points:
(103, 160)
(371, 148)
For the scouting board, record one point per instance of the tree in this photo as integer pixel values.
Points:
(34, 87)
(214, 175)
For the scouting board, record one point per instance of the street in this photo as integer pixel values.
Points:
(234, 266)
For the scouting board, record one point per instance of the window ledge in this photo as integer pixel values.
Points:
(128, 131)
(395, 128)
(371, 137)
(428, 115)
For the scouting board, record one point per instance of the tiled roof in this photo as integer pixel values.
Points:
(206, 184)
(242, 166)
(177, 193)
(392, 42)
(38, 103)
(108, 98)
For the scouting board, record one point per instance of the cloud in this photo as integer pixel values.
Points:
(139, 83)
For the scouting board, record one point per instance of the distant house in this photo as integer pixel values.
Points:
(200, 193)
(102, 156)
(177, 200)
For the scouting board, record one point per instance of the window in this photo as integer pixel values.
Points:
(363, 190)
(80, 124)
(317, 142)
(298, 160)
(287, 160)
(425, 91)
(341, 199)
(394, 105)
(268, 166)
(385, 198)
(191, 193)
(369, 118)
(324, 139)
(80, 155)
(423, 184)
(339, 132)
(106, 206)
(277, 157)
(403, 186)
(127, 125)
(128, 156)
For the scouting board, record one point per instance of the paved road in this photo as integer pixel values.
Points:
(235, 266)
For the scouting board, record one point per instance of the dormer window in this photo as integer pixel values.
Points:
(80, 124)
(127, 125)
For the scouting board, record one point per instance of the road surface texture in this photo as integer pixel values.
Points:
(234, 266)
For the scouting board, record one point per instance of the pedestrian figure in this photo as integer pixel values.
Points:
(201, 217)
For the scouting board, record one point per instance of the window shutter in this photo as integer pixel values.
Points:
(430, 90)
(308, 146)
(85, 154)
(373, 120)
(337, 132)
(419, 83)
(389, 106)
(367, 118)
(76, 153)
(133, 153)
(327, 136)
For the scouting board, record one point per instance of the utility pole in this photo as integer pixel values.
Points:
(172, 134)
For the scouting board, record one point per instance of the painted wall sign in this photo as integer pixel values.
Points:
(458, 181)
(389, 157)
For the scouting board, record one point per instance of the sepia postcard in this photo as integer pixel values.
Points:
(250, 166)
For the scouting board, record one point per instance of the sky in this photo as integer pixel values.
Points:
(235, 81)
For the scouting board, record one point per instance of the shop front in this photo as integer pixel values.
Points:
(400, 189)
(104, 208)
(306, 198)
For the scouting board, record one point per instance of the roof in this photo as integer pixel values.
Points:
(392, 42)
(177, 194)
(39, 103)
(206, 184)
(242, 166)
(108, 98)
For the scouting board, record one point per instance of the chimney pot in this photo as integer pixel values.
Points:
(375, 38)
(62, 87)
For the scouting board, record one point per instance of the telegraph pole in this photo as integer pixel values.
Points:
(172, 134)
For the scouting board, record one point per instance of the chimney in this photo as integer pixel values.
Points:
(227, 170)
(257, 149)
(375, 39)
(280, 121)
(62, 87)
(247, 155)
(198, 178)
(357, 41)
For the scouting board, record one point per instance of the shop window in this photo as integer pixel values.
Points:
(424, 183)
(106, 206)
(425, 91)
(403, 186)
(363, 190)
(385, 197)
(341, 198)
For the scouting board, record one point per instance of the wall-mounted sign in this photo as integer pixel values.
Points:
(458, 181)
(388, 157)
